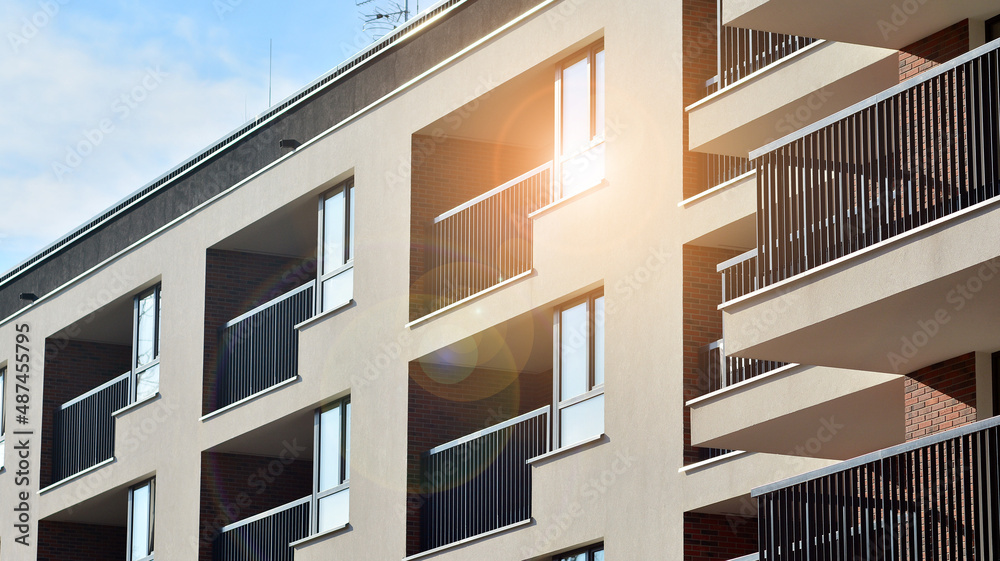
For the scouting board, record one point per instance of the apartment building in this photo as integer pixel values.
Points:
(542, 279)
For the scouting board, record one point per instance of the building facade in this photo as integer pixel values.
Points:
(542, 279)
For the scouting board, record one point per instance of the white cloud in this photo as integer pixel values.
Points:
(89, 116)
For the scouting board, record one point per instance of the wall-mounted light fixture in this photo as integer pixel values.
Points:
(28, 296)
(289, 143)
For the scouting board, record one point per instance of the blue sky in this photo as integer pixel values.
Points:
(99, 97)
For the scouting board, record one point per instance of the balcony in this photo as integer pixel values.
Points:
(259, 349)
(264, 536)
(487, 240)
(481, 482)
(85, 428)
(880, 23)
(807, 83)
(932, 498)
(872, 213)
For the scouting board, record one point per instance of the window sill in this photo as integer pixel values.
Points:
(249, 398)
(309, 540)
(565, 450)
(76, 476)
(566, 200)
(459, 543)
(322, 315)
(133, 406)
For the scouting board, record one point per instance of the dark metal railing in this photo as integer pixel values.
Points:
(84, 428)
(739, 275)
(488, 239)
(933, 498)
(721, 169)
(260, 348)
(721, 371)
(902, 159)
(745, 51)
(481, 482)
(265, 536)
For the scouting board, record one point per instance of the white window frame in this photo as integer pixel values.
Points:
(136, 369)
(593, 389)
(347, 187)
(3, 415)
(152, 520)
(344, 469)
(597, 133)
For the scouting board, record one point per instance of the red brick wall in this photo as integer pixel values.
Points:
(941, 396)
(446, 173)
(237, 282)
(446, 403)
(235, 487)
(716, 536)
(72, 368)
(933, 50)
(700, 39)
(65, 541)
(702, 323)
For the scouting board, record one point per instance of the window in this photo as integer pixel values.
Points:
(593, 553)
(579, 369)
(145, 380)
(140, 521)
(336, 232)
(580, 119)
(3, 433)
(992, 28)
(332, 468)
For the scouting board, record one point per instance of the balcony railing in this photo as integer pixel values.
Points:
(721, 371)
(260, 348)
(481, 482)
(933, 498)
(905, 158)
(488, 239)
(745, 51)
(265, 536)
(739, 275)
(84, 428)
(721, 169)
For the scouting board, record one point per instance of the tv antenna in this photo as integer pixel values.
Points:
(380, 17)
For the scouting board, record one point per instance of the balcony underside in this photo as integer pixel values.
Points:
(790, 95)
(898, 306)
(816, 411)
(881, 23)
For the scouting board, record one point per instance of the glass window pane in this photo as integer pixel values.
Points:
(333, 232)
(350, 225)
(329, 449)
(145, 343)
(338, 290)
(574, 557)
(599, 555)
(3, 390)
(147, 382)
(576, 107)
(140, 522)
(334, 510)
(599, 94)
(583, 171)
(573, 352)
(347, 441)
(599, 341)
(581, 421)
